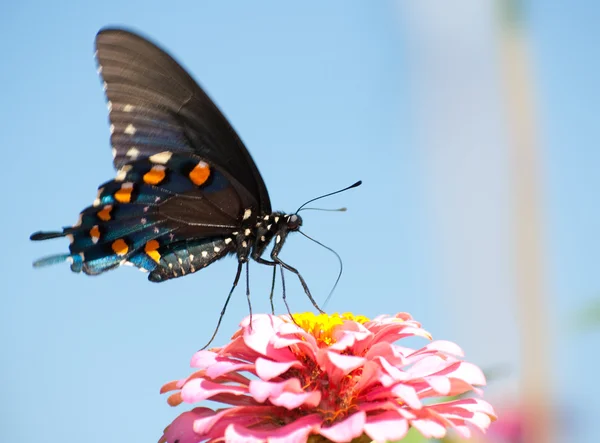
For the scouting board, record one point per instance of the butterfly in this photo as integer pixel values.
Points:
(186, 193)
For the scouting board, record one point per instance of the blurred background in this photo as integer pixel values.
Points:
(473, 124)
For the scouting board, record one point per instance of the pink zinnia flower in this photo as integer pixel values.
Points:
(332, 378)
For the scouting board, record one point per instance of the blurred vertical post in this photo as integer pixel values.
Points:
(529, 262)
(473, 100)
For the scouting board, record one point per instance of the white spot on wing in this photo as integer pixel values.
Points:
(130, 129)
(128, 108)
(244, 244)
(122, 173)
(227, 241)
(276, 219)
(133, 152)
(114, 152)
(97, 201)
(111, 129)
(247, 214)
(262, 238)
(204, 254)
(216, 249)
(161, 157)
(109, 105)
(247, 232)
(278, 239)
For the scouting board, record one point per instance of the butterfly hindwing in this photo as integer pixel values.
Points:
(151, 207)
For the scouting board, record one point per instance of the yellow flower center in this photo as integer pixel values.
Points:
(321, 326)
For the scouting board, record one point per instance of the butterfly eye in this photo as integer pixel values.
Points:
(294, 222)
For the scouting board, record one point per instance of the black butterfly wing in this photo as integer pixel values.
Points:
(184, 178)
(154, 106)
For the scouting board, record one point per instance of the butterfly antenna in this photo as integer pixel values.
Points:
(358, 183)
(325, 209)
(339, 260)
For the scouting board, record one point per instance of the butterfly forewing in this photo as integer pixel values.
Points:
(154, 105)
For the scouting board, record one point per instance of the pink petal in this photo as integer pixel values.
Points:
(346, 363)
(295, 432)
(463, 431)
(181, 429)
(220, 368)
(481, 420)
(262, 390)
(290, 400)
(407, 394)
(395, 373)
(348, 334)
(428, 366)
(370, 375)
(203, 359)
(268, 369)
(469, 373)
(444, 346)
(347, 429)
(199, 389)
(203, 425)
(441, 385)
(388, 426)
(429, 428)
(288, 394)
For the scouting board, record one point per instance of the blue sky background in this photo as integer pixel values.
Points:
(323, 94)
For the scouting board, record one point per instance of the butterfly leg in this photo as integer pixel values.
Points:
(235, 282)
(248, 291)
(302, 282)
(280, 239)
(284, 297)
(262, 261)
(273, 290)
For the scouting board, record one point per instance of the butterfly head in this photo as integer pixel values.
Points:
(294, 221)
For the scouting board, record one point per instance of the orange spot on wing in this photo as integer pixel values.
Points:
(200, 174)
(151, 249)
(155, 175)
(95, 233)
(104, 214)
(123, 195)
(120, 247)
